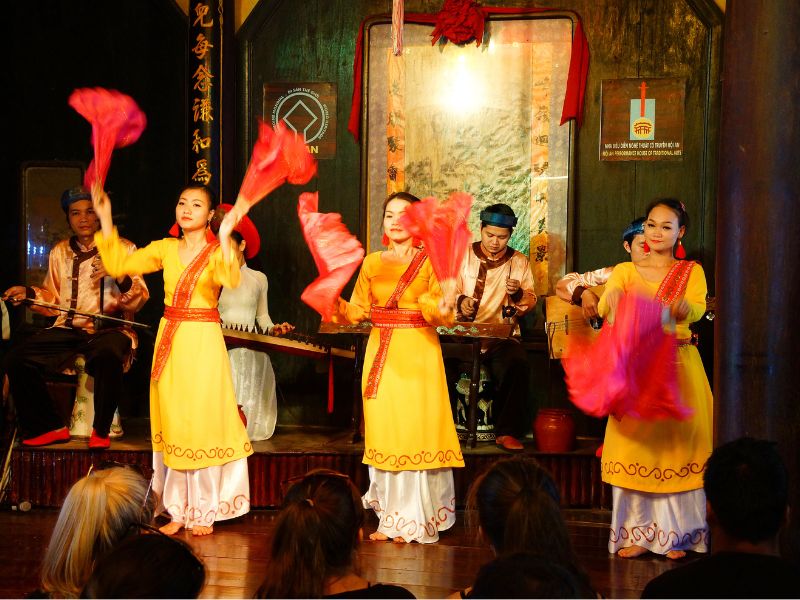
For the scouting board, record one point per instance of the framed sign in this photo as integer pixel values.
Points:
(642, 119)
(482, 120)
(308, 109)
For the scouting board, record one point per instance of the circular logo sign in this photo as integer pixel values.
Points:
(301, 111)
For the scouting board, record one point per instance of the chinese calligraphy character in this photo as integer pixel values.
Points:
(201, 10)
(202, 174)
(200, 143)
(202, 110)
(202, 47)
(203, 77)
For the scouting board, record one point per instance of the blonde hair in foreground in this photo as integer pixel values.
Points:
(99, 510)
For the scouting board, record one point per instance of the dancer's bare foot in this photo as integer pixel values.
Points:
(399, 540)
(631, 551)
(202, 530)
(675, 554)
(378, 537)
(171, 528)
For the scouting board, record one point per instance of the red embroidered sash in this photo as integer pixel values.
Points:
(180, 311)
(388, 318)
(674, 284)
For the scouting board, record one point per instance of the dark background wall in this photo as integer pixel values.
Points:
(136, 46)
(140, 48)
(627, 38)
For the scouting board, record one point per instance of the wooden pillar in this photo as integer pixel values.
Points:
(757, 371)
(211, 92)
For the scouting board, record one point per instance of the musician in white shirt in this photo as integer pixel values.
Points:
(574, 287)
(246, 306)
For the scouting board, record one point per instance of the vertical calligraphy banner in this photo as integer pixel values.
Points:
(205, 93)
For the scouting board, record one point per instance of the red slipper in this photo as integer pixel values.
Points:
(56, 436)
(97, 442)
(599, 452)
(510, 443)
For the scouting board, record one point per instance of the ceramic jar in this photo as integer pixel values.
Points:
(554, 430)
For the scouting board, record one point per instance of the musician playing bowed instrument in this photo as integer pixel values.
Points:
(495, 285)
(246, 305)
(76, 279)
(574, 287)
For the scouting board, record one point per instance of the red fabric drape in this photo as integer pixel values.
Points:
(576, 79)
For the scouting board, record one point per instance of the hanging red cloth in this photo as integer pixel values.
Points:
(578, 64)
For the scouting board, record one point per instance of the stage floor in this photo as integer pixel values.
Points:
(42, 476)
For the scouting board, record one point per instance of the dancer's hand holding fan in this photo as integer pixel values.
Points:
(629, 369)
(444, 234)
(116, 122)
(337, 254)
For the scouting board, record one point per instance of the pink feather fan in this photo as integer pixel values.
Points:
(337, 254)
(278, 156)
(629, 369)
(116, 122)
(444, 233)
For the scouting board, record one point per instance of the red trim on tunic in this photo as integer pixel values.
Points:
(389, 318)
(674, 284)
(180, 302)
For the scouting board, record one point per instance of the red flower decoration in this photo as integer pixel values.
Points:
(459, 21)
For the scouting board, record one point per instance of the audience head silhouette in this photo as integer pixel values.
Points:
(316, 536)
(518, 509)
(747, 489)
(517, 505)
(99, 510)
(526, 575)
(151, 565)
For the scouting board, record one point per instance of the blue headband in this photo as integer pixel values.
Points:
(72, 195)
(634, 229)
(498, 219)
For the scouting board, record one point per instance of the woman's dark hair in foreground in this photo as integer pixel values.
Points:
(150, 565)
(316, 536)
(517, 505)
(526, 575)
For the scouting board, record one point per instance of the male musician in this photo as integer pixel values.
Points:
(76, 280)
(495, 285)
(574, 287)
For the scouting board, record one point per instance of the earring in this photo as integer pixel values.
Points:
(646, 247)
(385, 240)
(680, 251)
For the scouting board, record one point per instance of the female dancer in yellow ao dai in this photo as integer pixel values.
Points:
(655, 468)
(410, 439)
(200, 445)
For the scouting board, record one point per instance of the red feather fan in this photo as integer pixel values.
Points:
(629, 369)
(444, 233)
(116, 122)
(278, 156)
(337, 254)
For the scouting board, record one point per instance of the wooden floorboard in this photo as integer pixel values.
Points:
(237, 554)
